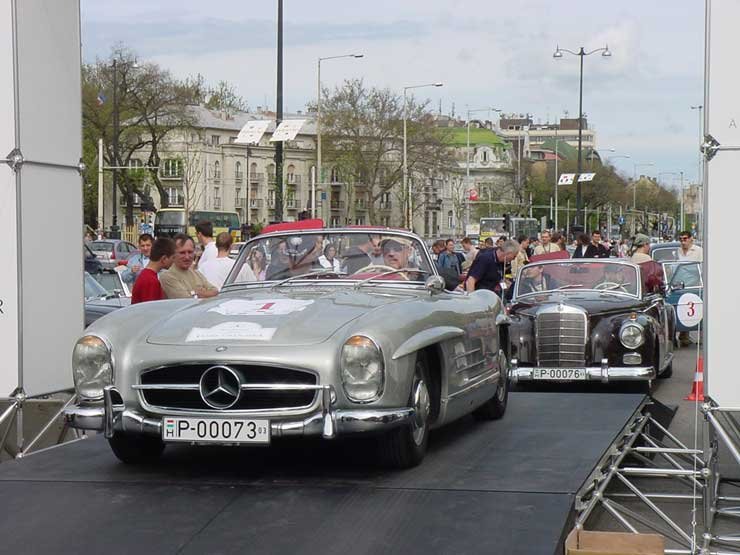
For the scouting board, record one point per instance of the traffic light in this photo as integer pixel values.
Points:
(147, 205)
(507, 222)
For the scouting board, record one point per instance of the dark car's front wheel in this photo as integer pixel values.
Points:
(136, 449)
(406, 446)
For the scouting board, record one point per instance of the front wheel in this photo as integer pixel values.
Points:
(405, 447)
(495, 407)
(136, 449)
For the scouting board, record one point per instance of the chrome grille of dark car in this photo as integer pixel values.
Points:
(190, 399)
(561, 339)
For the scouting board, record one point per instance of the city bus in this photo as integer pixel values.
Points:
(171, 221)
(494, 227)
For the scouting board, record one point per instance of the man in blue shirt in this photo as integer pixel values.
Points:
(139, 260)
(448, 258)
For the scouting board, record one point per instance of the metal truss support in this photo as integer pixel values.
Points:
(12, 419)
(650, 465)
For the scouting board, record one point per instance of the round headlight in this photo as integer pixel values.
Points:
(92, 368)
(631, 335)
(362, 369)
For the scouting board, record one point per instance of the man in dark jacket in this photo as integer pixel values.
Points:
(592, 248)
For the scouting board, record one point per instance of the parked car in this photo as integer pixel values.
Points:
(383, 350)
(588, 320)
(112, 252)
(92, 263)
(99, 301)
(685, 293)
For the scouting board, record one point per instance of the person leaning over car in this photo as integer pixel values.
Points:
(182, 280)
(147, 286)
(487, 269)
(139, 260)
(651, 271)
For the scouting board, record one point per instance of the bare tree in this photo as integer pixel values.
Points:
(363, 138)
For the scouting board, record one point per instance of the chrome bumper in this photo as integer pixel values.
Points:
(603, 373)
(112, 416)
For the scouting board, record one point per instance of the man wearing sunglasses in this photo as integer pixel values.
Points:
(688, 250)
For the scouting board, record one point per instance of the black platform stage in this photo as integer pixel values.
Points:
(497, 487)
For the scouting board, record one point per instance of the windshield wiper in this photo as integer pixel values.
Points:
(308, 275)
(568, 286)
(389, 273)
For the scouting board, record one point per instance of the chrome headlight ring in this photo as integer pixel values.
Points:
(632, 334)
(92, 366)
(362, 369)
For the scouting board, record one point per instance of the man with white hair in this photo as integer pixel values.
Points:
(488, 268)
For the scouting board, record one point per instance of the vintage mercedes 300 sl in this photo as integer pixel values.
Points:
(342, 331)
(583, 319)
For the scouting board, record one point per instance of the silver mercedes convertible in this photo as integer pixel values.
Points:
(315, 333)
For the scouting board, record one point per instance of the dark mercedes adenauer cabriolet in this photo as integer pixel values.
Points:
(588, 320)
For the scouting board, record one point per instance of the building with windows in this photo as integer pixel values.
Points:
(203, 168)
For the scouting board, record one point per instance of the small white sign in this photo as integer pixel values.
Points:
(690, 309)
(586, 177)
(566, 178)
(265, 307)
(252, 132)
(287, 130)
(242, 331)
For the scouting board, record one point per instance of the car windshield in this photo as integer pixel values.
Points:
(111, 283)
(577, 275)
(665, 254)
(342, 254)
(93, 289)
(682, 275)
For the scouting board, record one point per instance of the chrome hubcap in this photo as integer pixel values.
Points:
(422, 409)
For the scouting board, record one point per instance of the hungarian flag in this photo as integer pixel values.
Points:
(100, 99)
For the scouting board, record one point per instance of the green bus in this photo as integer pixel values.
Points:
(496, 227)
(168, 222)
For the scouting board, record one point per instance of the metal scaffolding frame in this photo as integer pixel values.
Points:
(646, 449)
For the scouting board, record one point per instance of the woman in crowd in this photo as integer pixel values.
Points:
(258, 263)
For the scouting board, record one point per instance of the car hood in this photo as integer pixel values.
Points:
(595, 304)
(287, 316)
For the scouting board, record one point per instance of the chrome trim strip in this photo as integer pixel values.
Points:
(470, 366)
(485, 381)
(172, 386)
(466, 353)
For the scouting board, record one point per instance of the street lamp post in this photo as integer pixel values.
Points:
(114, 225)
(558, 54)
(318, 178)
(700, 170)
(467, 166)
(406, 185)
(634, 191)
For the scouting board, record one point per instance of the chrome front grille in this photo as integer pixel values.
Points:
(263, 388)
(561, 337)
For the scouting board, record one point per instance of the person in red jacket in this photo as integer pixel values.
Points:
(147, 286)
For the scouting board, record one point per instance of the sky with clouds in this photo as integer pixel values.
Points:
(487, 53)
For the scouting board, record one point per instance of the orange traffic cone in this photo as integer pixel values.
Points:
(697, 390)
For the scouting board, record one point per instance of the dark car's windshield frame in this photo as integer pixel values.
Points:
(574, 288)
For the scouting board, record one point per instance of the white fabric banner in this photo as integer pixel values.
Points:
(252, 132)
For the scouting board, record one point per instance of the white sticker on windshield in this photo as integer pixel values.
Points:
(266, 307)
(244, 331)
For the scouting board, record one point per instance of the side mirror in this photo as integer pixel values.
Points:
(435, 284)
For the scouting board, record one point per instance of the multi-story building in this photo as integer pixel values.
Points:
(204, 169)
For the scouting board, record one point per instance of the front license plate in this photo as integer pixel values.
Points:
(215, 430)
(559, 374)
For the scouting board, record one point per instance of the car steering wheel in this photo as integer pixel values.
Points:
(382, 268)
(611, 285)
